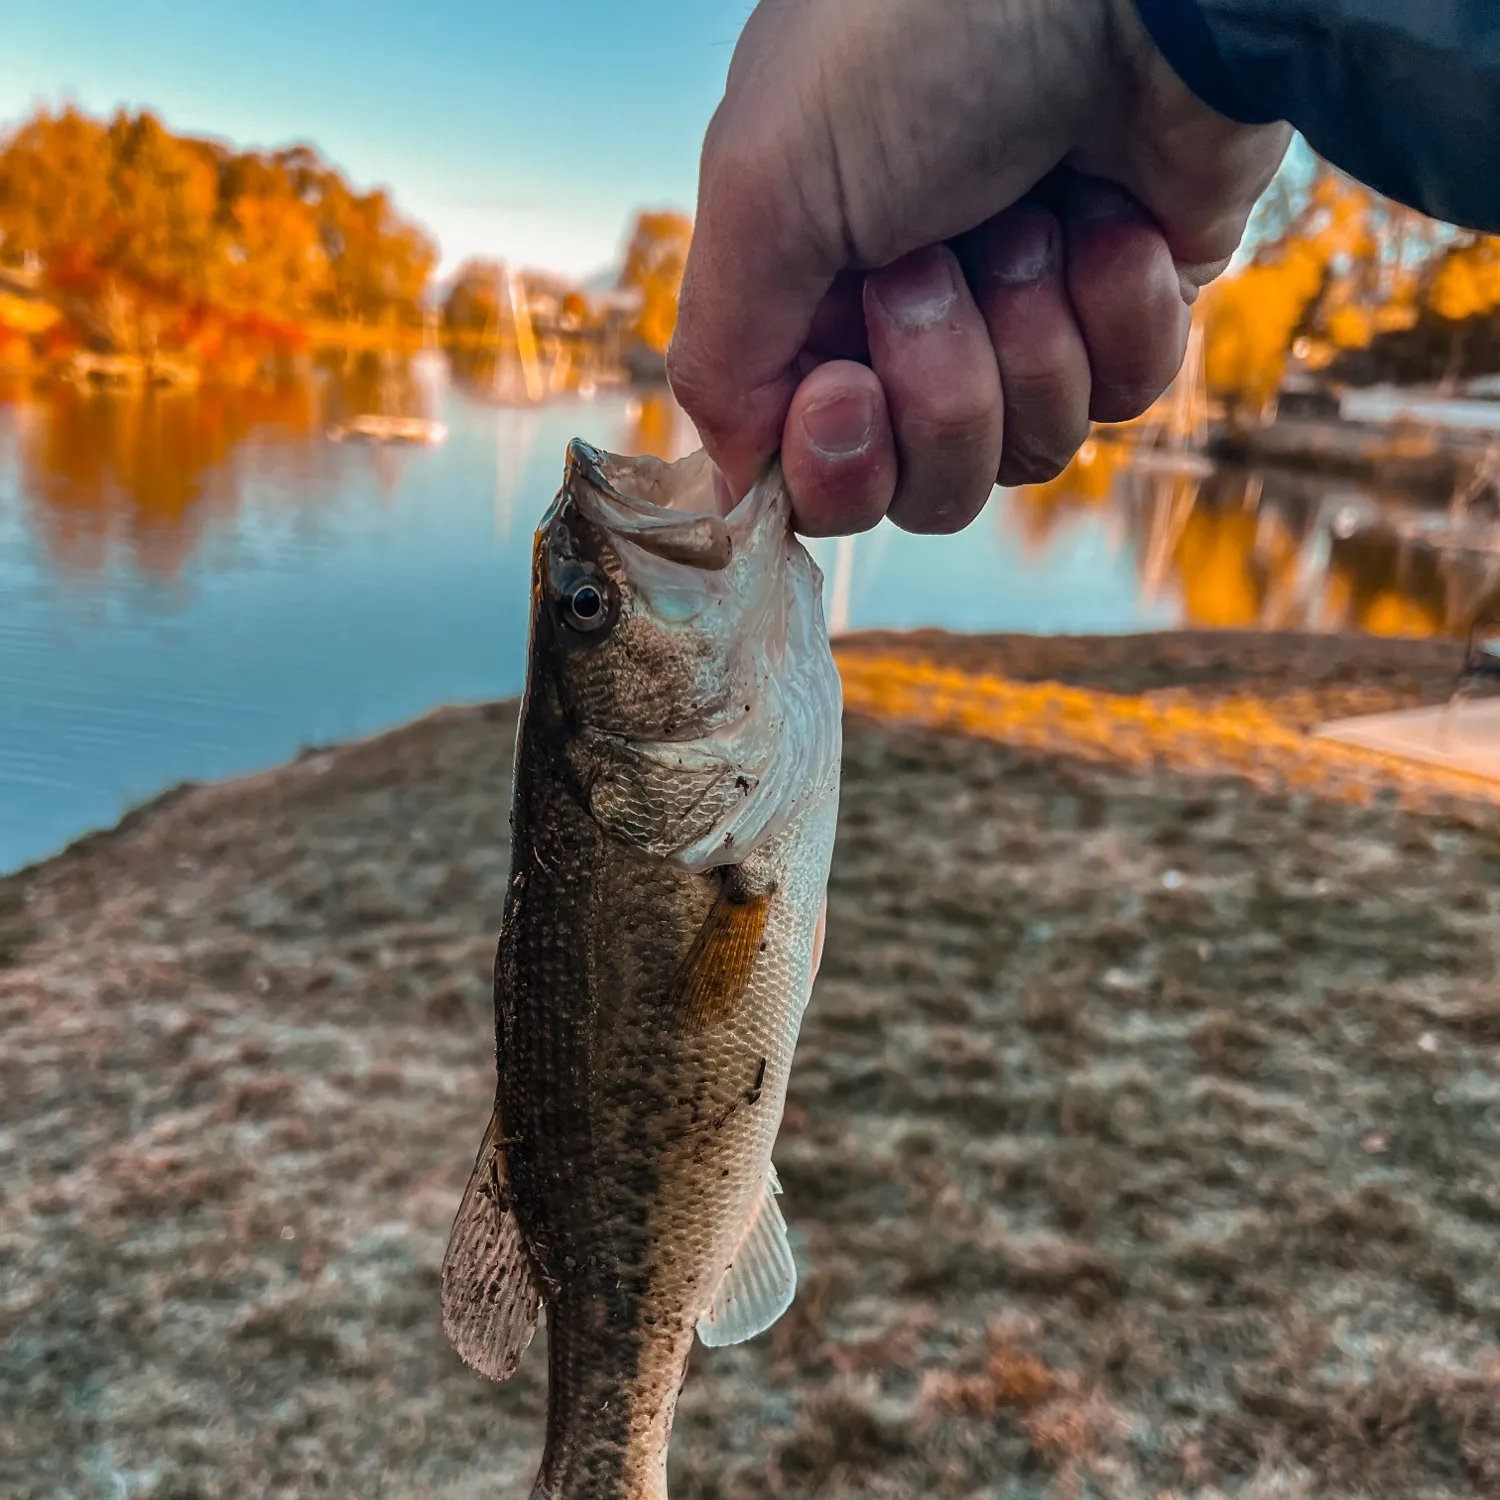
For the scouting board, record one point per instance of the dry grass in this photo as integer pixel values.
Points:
(1142, 1143)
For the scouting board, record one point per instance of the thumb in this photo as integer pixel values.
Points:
(767, 242)
(756, 273)
(1198, 172)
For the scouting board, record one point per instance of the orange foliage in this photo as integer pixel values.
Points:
(1466, 280)
(153, 475)
(1239, 734)
(1250, 321)
(147, 240)
(1214, 560)
(1348, 266)
(653, 267)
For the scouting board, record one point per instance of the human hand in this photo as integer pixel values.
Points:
(935, 238)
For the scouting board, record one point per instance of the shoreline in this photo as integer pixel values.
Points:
(1388, 672)
(1429, 466)
(1141, 1139)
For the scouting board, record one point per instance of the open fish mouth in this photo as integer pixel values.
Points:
(666, 509)
(715, 678)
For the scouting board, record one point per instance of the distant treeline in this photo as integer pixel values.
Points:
(1347, 285)
(643, 299)
(146, 240)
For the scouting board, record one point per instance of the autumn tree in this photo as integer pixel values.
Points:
(141, 232)
(473, 302)
(275, 258)
(1339, 278)
(1337, 258)
(654, 263)
(1456, 328)
(56, 192)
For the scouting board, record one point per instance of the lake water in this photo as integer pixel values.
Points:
(198, 585)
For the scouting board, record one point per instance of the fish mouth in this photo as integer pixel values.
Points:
(666, 509)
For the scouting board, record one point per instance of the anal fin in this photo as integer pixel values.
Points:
(490, 1297)
(760, 1282)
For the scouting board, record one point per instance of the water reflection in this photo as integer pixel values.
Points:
(101, 474)
(1087, 484)
(195, 584)
(656, 424)
(1240, 549)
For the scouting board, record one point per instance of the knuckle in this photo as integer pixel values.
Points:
(960, 429)
(1047, 400)
(718, 132)
(683, 371)
(1046, 363)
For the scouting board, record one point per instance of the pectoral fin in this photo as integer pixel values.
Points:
(490, 1297)
(760, 1282)
(718, 966)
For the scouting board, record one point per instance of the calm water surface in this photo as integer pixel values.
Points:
(194, 586)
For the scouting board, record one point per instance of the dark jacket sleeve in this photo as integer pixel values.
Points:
(1402, 94)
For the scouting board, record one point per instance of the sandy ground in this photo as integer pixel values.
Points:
(1144, 1139)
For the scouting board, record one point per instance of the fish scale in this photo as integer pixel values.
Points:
(675, 801)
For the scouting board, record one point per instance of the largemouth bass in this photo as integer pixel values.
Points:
(676, 789)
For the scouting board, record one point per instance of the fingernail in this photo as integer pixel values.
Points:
(841, 426)
(918, 292)
(1022, 249)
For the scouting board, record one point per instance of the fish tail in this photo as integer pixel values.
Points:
(587, 1465)
(614, 1484)
(611, 1396)
(620, 1489)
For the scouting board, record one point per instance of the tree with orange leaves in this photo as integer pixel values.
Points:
(654, 262)
(1341, 267)
(148, 237)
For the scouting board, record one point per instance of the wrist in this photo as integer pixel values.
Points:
(1173, 38)
(1196, 169)
(1134, 49)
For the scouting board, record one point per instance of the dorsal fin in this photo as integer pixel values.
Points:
(760, 1282)
(490, 1297)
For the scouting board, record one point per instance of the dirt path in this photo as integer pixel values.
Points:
(1144, 1139)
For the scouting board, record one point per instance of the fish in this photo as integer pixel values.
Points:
(672, 826)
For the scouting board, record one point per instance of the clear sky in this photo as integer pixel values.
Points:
(530, 130)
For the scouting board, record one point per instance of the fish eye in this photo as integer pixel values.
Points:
(585, 606)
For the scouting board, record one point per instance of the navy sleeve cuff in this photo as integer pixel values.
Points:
(1180, 30)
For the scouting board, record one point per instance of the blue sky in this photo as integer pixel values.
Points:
(531, 130)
